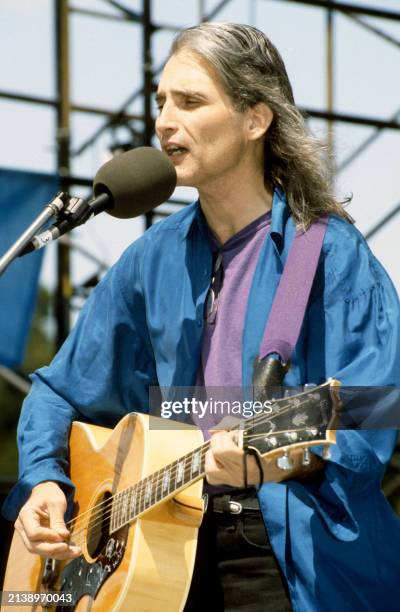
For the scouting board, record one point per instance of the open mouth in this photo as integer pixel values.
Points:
(175, 151)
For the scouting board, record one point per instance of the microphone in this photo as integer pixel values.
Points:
(135, 182)
(128, 185)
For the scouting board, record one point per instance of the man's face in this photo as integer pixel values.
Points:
(201, 132)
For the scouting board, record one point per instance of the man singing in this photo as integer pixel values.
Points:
(228, 121)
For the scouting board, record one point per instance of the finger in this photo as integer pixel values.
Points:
(217, 441)
(217, 474)
(57, 551)
(212, 469)
(56, 512)
(60, 551)
(19, 527)
(26, 541)
(231, 440)
(29, 521)
(224, 449)
(229, 458)
(225, 439)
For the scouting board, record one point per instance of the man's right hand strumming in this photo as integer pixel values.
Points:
(41, 523)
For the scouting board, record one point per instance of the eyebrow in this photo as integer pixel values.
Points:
(180, 92)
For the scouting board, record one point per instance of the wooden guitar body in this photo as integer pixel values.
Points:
(144, 566)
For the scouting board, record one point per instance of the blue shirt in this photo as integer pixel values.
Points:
(338, 541)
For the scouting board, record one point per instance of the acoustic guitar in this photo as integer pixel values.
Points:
(138, 506)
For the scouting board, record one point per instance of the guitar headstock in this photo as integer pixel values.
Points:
(307, 419)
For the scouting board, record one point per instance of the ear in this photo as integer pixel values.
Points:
(260, 118)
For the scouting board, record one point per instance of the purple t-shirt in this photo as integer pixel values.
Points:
(221, 355)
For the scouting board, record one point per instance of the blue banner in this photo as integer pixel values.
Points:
(23, 195)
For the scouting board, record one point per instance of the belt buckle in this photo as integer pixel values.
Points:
(205, 501)
(235, 507)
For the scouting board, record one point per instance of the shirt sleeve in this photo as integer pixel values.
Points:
(353, 329)
(102, 371)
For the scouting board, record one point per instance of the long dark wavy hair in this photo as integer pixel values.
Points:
(252, 71)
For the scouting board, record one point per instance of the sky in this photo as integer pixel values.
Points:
(106, 68)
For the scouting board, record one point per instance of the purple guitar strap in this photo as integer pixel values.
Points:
(288, 309)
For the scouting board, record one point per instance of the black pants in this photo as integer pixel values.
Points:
(235, 569)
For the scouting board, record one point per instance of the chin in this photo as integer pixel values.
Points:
(185, 183)
(185, 180)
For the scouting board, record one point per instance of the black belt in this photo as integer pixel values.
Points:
(234, 503)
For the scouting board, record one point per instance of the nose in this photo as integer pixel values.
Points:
(166, 121)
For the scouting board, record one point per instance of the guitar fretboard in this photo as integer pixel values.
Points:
(140, 497)
(300, 420)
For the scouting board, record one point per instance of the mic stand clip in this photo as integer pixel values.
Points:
(61, 204)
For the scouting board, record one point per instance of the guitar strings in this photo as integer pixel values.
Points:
(255, 420)
(142, 485)
(106, 514)
(107, 510)
(261, 419)
(71, 522)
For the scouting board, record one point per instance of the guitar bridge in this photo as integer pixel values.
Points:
(50, 573)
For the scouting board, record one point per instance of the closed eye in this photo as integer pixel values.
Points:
(183, 104)
(191, 102)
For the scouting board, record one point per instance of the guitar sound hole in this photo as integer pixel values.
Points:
(99, 526)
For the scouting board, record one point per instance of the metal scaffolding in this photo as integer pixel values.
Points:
(64, 9)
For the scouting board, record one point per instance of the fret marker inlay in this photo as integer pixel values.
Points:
(165, 481)
(196, 462)
(180, 471)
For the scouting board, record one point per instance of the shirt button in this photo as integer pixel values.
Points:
(206, 272)
(199, 322)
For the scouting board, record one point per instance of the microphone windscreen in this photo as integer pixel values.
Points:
(137, 181)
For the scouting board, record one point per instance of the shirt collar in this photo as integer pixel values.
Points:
(279, 217)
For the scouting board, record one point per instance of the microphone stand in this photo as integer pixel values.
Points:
(54, 208)
(69, 212)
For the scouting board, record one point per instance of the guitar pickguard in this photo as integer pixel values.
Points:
(79, 577)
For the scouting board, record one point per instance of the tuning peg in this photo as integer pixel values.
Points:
(326, 453)
(284, 462)
(306, 456)
(271, 440)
